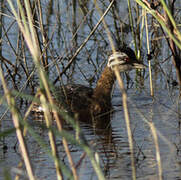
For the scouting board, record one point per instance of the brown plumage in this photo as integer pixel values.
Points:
(88, 103)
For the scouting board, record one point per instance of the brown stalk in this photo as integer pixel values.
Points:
(15, 117)
(48, 120)
(150, 7)
(124, 97)
(85, 41)
(127, 120)
(59, 125)
(175, 55)
(65, 144)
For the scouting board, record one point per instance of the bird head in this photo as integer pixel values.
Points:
(124, 60)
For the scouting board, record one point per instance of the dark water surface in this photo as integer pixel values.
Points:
(163, 109)
(112, 144)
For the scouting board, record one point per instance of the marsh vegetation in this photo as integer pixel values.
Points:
(47, 44)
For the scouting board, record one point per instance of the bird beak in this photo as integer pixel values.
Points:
(139, 65)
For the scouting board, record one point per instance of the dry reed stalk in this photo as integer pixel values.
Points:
(31, 39)
(170, 27)
(59, 125)
(124, 97)
(132, 25)
(44, 35)
(1, 22)
(154, 133)
(48, 120)
(148, 48)
(86, 40)
(161, 20)
(127, 120)
(170, 22)
(65, 144)
(158, 158)
(56, 116)
(16, 121)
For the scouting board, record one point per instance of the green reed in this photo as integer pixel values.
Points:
(26, 25)
(40, 42)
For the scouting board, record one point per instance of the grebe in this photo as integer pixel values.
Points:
(88, 103)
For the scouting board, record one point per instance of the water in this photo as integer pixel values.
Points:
(111, 144)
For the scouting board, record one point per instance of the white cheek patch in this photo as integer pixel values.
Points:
(40, 108)
(117, 58)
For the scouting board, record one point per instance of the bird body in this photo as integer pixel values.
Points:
(90, 103)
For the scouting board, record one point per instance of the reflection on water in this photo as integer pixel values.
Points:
(111, 142)
(108, 138)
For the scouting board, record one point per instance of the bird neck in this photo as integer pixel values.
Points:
(104, 84)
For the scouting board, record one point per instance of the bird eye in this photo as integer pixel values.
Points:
(127, 58)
